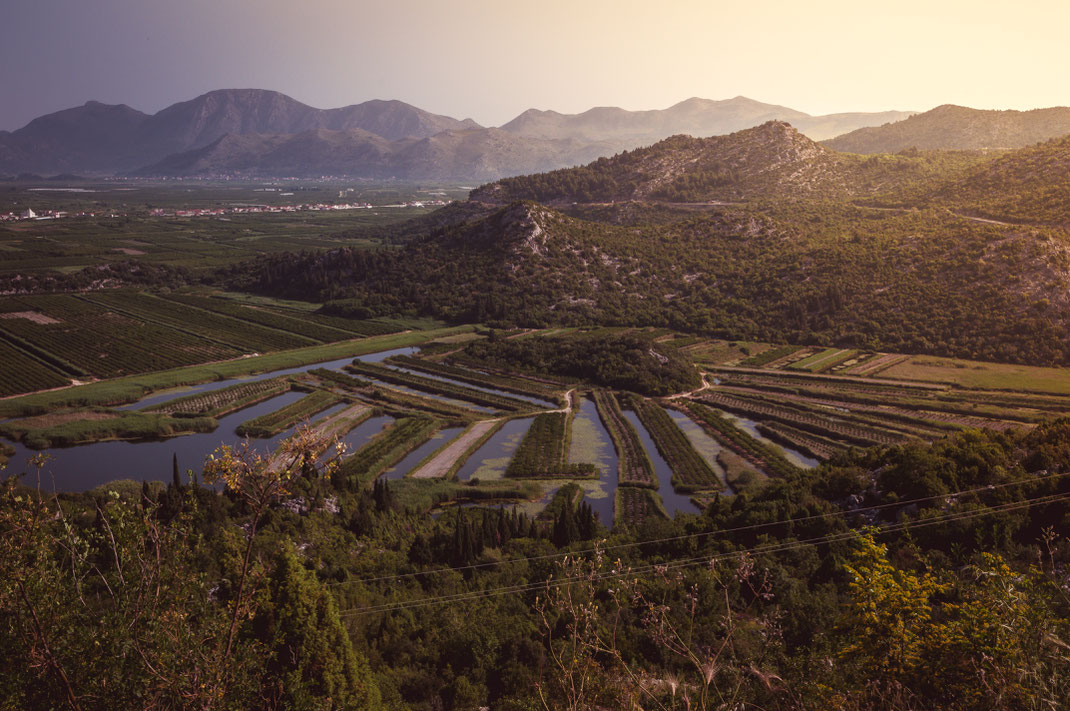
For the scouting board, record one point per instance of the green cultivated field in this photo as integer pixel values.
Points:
(975, 374)
(288, 416)
(73, 243)
(129, 389)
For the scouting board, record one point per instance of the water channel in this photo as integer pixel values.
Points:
(87, 466)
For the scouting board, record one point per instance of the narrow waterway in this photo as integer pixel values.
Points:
(489, 461)
(794, 456)
(89, 465)
(591, 444)
(410, 460)
(707, 447)
(430, 396)
(360, 435)
(165, 395)
(673, 502)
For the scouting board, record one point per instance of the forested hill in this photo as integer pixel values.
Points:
(762, 234)
(951, 127)
(915, 281)
(1030, 185)
(771, 161)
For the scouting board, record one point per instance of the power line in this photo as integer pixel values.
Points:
(683, 563)
(689, 536)
(769, 548)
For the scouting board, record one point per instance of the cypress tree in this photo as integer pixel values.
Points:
(566, 529)
(586, 521)
(490, 531)
(502, 532)
(468, 546)
(457, 554)
(311, 660)
(476, 536)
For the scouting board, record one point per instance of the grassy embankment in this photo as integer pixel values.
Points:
(63, 431)
(132, 388)
(274, 422)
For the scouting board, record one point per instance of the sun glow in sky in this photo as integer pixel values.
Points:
(492, 60)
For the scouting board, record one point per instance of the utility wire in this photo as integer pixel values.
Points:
(701, 560)
(702, 534)
(682, 563)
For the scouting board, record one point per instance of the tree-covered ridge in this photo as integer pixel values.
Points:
(627, 361)
(950, 127)
(770, 161)
(923, 281)
(1030, 186)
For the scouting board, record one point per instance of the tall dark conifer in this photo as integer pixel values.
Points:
(175, 478)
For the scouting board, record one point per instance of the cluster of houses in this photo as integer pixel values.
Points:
(316, 207)
(42, 215)
(30, 214)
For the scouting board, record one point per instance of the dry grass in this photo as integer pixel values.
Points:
(54, 419)
(988, 376)
(441, 464)
(35, 316)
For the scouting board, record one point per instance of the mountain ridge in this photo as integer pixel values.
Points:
(695, 116)
(45, 145)
(773, 160)
(951, 127)
(80, 139)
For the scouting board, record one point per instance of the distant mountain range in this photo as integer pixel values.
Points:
(694, 117)
(264, 133)
(257, 133)
(98, 138)
(472, 154)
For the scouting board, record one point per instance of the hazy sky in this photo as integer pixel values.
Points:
(491, 60)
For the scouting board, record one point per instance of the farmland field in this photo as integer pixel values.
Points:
(23, 372)
(86, 338)
(296, 323)
(635, 505)
(690, 471)
(275, 422)
(543, 453)
(439, 387)
(974, 374)
(122, 226)
(241, 335)
(634, 466)
(515, 385)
